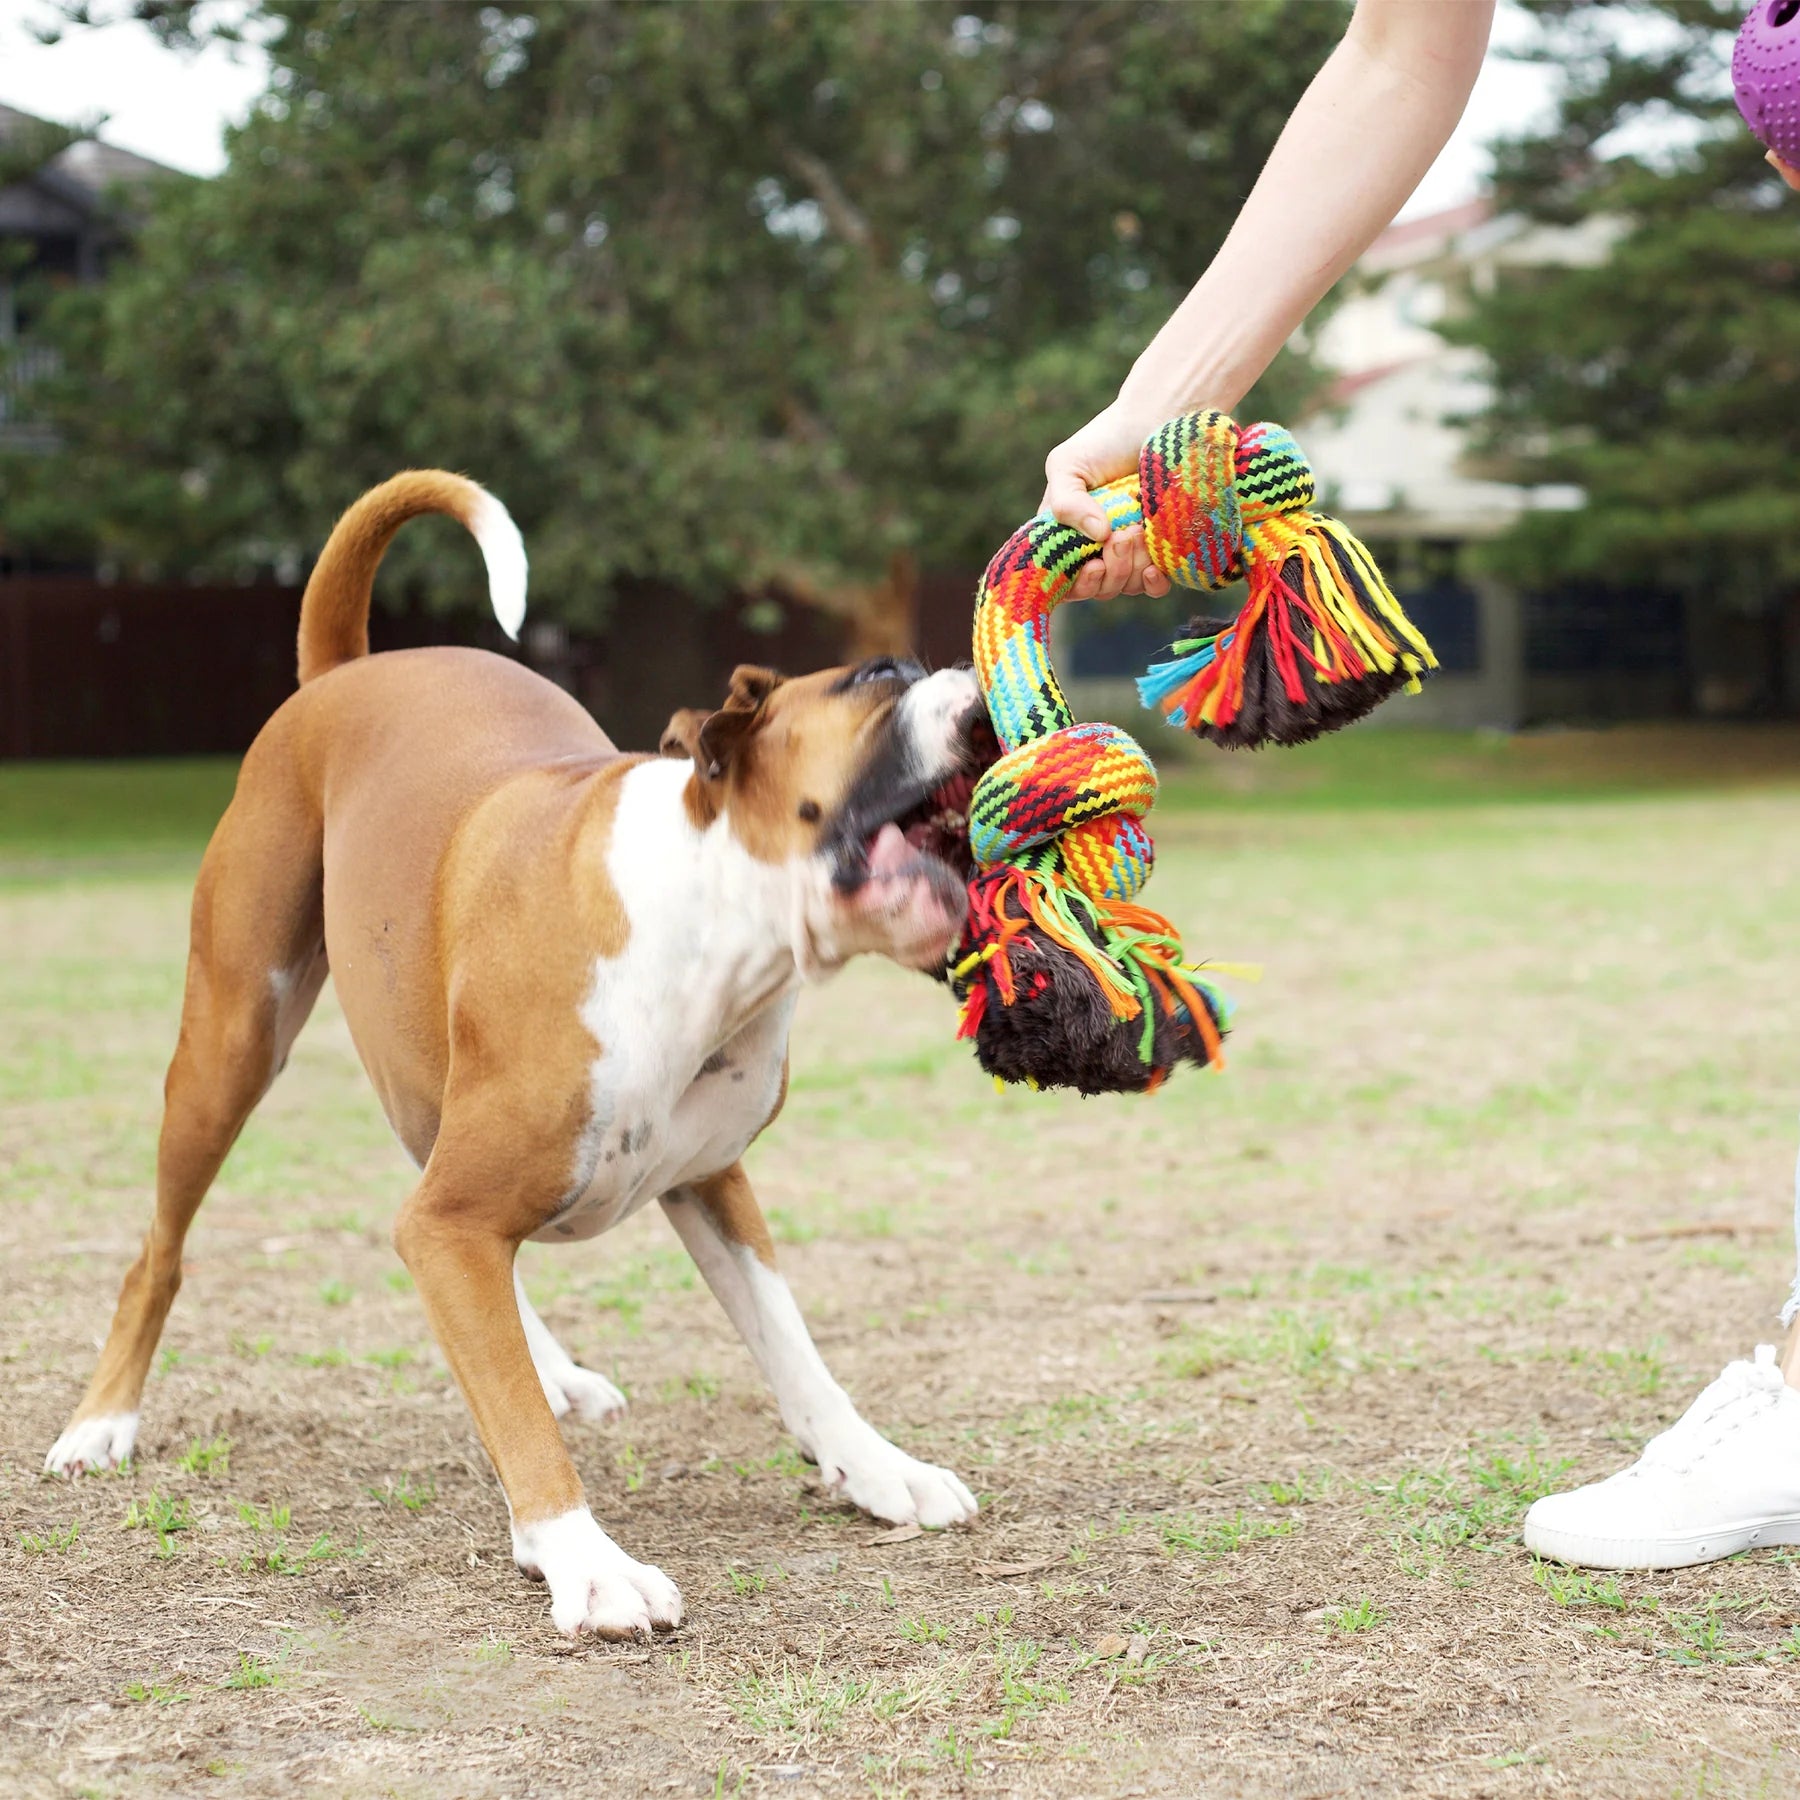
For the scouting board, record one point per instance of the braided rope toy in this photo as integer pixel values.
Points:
(1064, 980)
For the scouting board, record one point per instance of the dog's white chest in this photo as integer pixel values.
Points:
(690, 1021)
(647, 1136)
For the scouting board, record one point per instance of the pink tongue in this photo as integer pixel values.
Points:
(890, 852)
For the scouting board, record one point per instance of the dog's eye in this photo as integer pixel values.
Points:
(880, 668)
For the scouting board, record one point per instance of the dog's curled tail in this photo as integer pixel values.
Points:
(334, 614)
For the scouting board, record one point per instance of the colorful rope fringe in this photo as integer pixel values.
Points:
(1056, 825)
(1320, 639)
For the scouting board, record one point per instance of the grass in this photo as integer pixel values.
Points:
(1354, 1617)
(276, 1556)
(101, 808)
(797, 1704)
(1446, 1509)
(1213, 1538)
(1256, 1378)
(251, 1672)
(96, 808)
(210, 1458)
(1381, 767)
(162, 1516)
(1308, 1348)
(159, 1693)
(58, 1540)
(411, 1493)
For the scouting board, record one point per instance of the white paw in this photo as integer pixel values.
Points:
(92, 1445)
(594, 1586)
(573, 1389)
(859, 1463)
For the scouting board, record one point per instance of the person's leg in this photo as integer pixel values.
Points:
(1724, 1477)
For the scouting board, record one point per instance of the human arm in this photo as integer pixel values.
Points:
(1786, 171)
(1362, 136)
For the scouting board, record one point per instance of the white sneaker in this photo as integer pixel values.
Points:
(1725, 1476)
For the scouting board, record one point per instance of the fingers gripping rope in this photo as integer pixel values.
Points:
(1064, 980)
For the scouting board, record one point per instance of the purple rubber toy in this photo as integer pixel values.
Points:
(1765, 70)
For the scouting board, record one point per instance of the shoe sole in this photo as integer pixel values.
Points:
(1590, 1552)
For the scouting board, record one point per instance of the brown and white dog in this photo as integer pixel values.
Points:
(570, 974)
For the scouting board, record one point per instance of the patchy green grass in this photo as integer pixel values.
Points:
(276, 1556)
(158, 1693)
(251, 1672)
(1476, 1504)
(411, 1493)
(1354, 1616)
(96, 808)
(93, 809)
(210, 1458)
(1381, 766)
(56, 1540)
(163, 1516)
(1212, 1538)
(1256, 1378)
(1310, 1349)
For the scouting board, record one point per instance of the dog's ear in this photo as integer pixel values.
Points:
(721, 736)
(721, 739)
(751, 685)
(681, 736)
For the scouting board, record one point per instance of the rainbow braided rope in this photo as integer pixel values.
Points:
(1064, 979)
(1320, 639)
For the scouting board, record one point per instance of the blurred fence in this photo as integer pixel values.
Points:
(96, 669)
(92, 669)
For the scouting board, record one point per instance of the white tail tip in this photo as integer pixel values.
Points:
(503, 550)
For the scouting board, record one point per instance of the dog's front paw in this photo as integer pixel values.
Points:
(91, 1446)
(594, 1586)
(859, 1463)
(573, 1389)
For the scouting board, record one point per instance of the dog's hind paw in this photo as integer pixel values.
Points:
(91, 1446)
(573, 1389)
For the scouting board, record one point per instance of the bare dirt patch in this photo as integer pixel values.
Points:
(1255, 1377)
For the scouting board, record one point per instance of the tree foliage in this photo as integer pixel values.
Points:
(1663, 380)
(719, 294)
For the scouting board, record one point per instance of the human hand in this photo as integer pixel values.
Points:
(1101, 451)
(1786, 171)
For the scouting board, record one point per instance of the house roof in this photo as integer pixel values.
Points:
(1437, 226)
(1354, 381)
(79, 177)
(1421, 240)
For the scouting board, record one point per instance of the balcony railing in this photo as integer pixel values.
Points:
(22, 367)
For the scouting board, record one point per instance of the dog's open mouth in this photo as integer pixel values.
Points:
(899, 838)
(938, 826)
(933, 826)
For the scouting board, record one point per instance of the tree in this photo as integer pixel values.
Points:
(1662, 381)
(774, 292)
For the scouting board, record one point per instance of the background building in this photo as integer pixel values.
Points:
(1391, 443)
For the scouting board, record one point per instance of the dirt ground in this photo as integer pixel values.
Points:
(1255, 1377)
